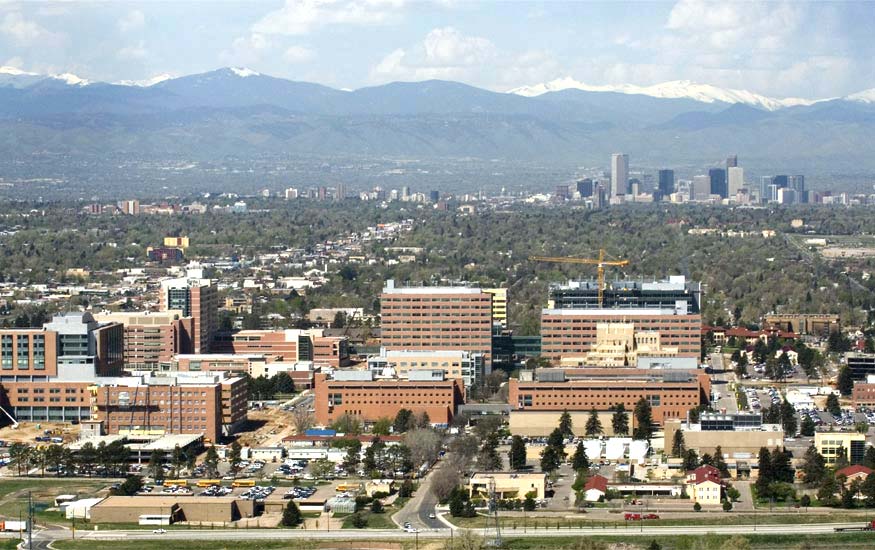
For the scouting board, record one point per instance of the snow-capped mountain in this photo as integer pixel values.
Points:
(866, 96)
(145, 83)
(15, 71)
(70, 79)
(675, 89)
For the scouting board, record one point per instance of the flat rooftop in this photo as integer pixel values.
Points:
(612, 312)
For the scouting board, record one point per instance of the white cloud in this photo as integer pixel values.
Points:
(446, 53)
(246, 50)
(134, 52)
(299, 17)
(298, 54)
(23, 31)
(132, 20)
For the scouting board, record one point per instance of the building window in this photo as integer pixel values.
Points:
(6, 352)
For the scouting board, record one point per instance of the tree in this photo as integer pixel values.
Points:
(697, 507)
(154, 467)
(720, 463)
(292, 515)
(283, 383)
(347, 424)
(565, 425)
(424, 445)
(211, 462)
(841, 460)
(20, 455)
(580, 461)
(691, 460)
(654, 546)
(832, 405)
(807, 427)
(177, 460)
(827, 490)
(788, 418)
(643, 420)
(374, 460)
(406, 489)
(556, 441)
(813, 466)
(321, 468)
(488, 458)
(867, 489)
(517, 453)
(550, 459)
(359, 520)
(678, 446)
(382, 426)
(845, 381)
(869, 458)
(593, 424)
(782, 469)
(302, 420)
(403, 421)
(376, 506)
(234, 458)
(444, 480)
(727, 506)
(529, 504)
(620, 420)
(129, 487)
(353, 457)
(766, 474)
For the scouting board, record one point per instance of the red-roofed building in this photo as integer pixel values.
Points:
(595, 488)
(854, 472)
(705, 486)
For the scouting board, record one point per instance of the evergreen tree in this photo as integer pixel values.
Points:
(841, 459)
(766, 475)
(154, 467)
(845, 382)
(643, 420)
(678, 446)
(580, 461)
(720, 463)
(620, 420)
(593, 424)
(517, 453)
(292, 515)
(782, 470)
(827, 490)
(353, 457)
(832, 405)
(807, 427)
(691, 460)
(211, 462)
(869, 458)
(565, 425)
(488, 458)
(556, 441)
(403, 420)
(234, 457)
(813, 466)
(788, 418)
(867, 489)
(550, 459)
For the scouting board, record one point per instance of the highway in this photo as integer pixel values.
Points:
(637, 529)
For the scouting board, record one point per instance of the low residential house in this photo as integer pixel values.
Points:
(705, 486)
(595, 489)
(508, 485)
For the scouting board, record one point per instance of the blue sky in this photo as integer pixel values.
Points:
(801, 49)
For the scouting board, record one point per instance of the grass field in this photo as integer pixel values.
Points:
(13, 494)
(705, 519)
(843, 541)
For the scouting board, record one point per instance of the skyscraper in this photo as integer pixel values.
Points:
(781, 181)
(736, 180)
(700, 189)
(665, 184)
(797, 183)
(619, 173)
(584, 187)
(197, 298)
(718, 182)
(731, 161)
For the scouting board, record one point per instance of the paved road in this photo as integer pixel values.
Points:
(721, 381)
(421, 504)
(640, 529)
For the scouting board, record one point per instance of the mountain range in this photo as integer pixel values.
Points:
(234, 111)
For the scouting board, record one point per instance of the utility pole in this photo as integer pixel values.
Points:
(29, 521)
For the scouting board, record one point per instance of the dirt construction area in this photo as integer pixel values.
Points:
(27, 432)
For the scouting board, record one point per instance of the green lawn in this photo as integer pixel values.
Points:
(375, 521)
(679, 542)
(716, 518)
(13, 495)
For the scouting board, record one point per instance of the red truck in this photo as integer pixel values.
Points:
(866, 527)
(635, 516)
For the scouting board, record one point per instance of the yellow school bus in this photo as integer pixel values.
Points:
(243, 483)
(208, 482)
(176, 483)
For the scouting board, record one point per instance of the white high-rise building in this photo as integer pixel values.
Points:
(619, 173)
(736, 180)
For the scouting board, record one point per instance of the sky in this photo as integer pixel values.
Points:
(781, 49)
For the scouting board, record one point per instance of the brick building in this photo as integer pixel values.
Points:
(152, 339)
(437, 318)
(358, 394)
(196, 298)
(287, 345)
(572, 332)
(670, 393)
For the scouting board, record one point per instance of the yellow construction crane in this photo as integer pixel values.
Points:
(600, 262)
